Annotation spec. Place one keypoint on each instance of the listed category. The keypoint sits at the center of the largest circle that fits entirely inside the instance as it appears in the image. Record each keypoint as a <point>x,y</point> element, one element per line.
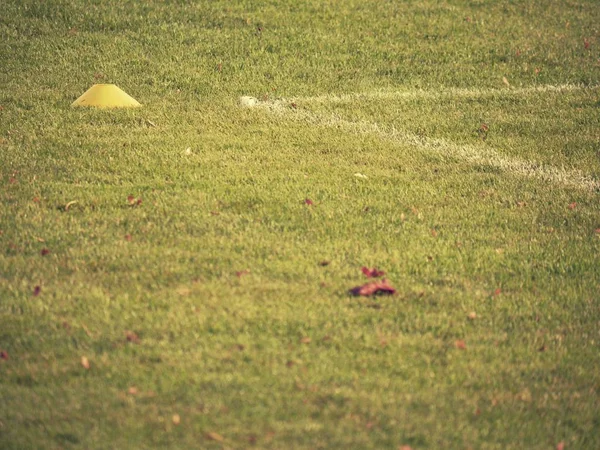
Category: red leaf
<point>130,199</point>
<point>460,344</point>
<point>128,237</point>
<point>497,292</point>
<point>36,291</point>
<point>572,206</point>
<point>308,202</point>
<point>586,44</point>
<point>560,446</point>
<point>373,288</point>
<point>4,355</point>
<point>44,252</point>
<point>241,273</point>
<point>372,273</point>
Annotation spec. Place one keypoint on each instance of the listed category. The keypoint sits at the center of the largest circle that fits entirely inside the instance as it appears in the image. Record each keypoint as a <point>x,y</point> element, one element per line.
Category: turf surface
<point>454,145</point>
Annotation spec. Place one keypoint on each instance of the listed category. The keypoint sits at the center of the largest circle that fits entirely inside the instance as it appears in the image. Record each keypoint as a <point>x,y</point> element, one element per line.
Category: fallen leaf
<point>405,447</point>
<point>542,348</point>
<point>128,237</point>
<point>12,180</point>
<point>497,292</point>
<point>132,390</point>
<point>433,232</point>
<point>252,439</point>
<point>597,231</point>
<point>373,288</point>
<point>560,446</point>
<point>372,273</point>
<point>212,436</point>
<point>460,344</point>
<point>305,340</point>
<point>324,263</point>
<point>130,336</point>
<point>586,44</point>
<point>360,175</point>
<point>44,251</point>
<point>308,201</point>
<point>176,419</point>
<point>39,239</point>
<point>37,290</point>
<point>36,199</point>
<point>241,273</point>
<point>472,315</point>
<point>85,362</point>
<point>4,355</point>
<point>69,204</point>
<point>572,206</point>
<point>505,81</point>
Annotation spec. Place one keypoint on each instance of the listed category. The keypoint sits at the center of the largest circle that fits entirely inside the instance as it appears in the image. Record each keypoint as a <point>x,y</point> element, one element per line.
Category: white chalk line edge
<point>469,153</point>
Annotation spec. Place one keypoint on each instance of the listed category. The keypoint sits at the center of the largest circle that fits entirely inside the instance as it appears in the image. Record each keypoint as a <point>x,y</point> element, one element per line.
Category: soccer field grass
<point>178,275</point>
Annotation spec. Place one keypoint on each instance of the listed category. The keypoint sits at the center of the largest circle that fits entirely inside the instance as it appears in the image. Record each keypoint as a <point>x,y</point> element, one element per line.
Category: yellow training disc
<point>106,96</point>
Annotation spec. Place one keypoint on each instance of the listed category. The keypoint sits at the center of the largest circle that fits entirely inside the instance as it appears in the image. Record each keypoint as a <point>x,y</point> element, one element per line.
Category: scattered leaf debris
<point>85,363</point>
<point>132,201</point>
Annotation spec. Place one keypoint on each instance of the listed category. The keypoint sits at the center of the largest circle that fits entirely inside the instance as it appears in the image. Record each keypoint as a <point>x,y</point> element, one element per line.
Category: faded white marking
<point>384,94</point>
<point>472,154</point>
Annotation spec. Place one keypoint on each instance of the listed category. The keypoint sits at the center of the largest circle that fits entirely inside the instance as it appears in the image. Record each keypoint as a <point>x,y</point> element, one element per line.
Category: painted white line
<point>384,94</point>
<point>472,154</point>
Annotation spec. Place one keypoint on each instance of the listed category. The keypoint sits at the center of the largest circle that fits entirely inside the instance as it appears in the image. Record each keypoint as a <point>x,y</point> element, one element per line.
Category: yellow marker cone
<point>106,96</point>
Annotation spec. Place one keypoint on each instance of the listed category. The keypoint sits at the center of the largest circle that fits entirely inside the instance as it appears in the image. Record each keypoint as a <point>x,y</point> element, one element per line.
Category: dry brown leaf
<point>460,344</point>
<point>472,315</point>
<point>572,206</point>
<point>373,288</point>
<point>132,390</point>
<point>212,436</point>
<point>305,340</point>
<point>176,419</point>
<point>132,337</point>
<point>372,273</point>
<point>85,362</point>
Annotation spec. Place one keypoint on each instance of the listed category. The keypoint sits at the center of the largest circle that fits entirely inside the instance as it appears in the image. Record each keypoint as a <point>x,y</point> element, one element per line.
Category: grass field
<point>454,145</point>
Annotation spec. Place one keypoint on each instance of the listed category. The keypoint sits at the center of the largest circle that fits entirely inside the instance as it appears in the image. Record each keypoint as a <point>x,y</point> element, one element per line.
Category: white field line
<point>472,154</point>
<point>444,92</point>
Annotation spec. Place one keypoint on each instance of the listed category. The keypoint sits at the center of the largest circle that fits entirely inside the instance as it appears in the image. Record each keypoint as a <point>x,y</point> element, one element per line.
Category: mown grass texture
<point>216,313</point>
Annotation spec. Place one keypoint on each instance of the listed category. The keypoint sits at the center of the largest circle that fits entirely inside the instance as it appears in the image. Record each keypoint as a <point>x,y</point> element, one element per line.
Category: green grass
<point>234,324</point>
